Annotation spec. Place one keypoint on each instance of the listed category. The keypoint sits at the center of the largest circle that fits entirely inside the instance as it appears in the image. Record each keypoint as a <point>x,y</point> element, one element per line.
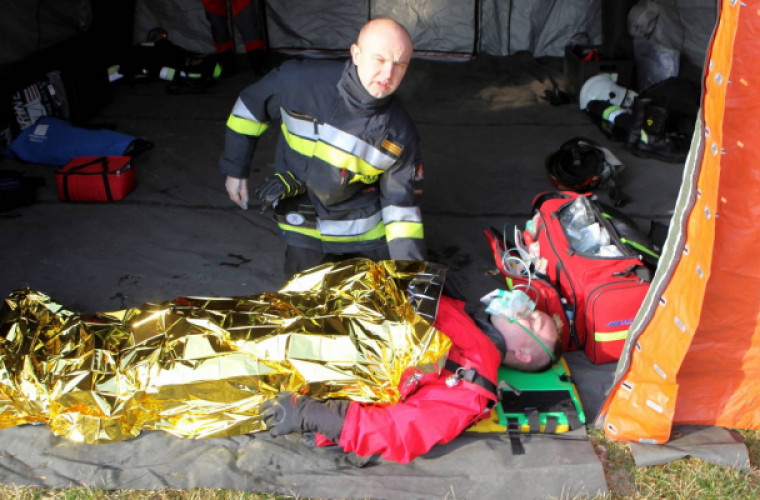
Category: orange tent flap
<point>692,355</point>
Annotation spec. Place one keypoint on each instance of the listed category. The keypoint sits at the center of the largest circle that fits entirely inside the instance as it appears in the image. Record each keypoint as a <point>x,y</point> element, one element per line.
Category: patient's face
<point>523,352</point>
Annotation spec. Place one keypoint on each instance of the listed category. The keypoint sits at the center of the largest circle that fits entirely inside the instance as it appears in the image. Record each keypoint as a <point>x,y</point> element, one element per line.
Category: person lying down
<point>371,356</point>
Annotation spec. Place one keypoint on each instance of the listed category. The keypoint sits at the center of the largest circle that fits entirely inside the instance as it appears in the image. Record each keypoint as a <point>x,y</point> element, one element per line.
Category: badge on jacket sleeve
<point>419,173</point>
<point>391,147</point>
<point>294,219</point>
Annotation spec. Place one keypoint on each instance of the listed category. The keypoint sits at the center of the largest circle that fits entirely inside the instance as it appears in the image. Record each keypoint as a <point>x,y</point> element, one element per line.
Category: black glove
<point>282,415</point>
<point>279,187</point>
<point>288,412</point>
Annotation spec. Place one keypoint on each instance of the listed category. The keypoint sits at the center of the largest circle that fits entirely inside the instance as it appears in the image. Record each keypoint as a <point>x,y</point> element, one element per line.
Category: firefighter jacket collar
<point>361,102</point>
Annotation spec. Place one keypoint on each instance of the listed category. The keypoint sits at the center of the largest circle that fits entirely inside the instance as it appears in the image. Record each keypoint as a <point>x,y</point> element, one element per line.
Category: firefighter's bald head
<point>382,54</point>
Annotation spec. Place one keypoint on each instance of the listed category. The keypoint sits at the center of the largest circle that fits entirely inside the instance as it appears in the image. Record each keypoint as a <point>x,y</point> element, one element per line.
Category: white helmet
<point>602,87</point>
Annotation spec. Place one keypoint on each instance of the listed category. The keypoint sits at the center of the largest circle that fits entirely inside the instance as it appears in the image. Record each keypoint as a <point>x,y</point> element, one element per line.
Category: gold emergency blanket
<point>200,367</point>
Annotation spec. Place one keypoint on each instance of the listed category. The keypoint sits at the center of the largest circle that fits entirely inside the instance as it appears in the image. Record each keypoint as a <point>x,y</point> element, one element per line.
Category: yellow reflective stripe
<point>610,336</point>
<point>246,127</point>
<point>614,115</point>
<point>375,233</point>
<point>282,179</point>
<point>341,159</point>
<point>608,112</point>
<point>396,230</point>
<point>298,144</point>
<point>306,127</point>
<point>329,154</point>
<point>306,231</point>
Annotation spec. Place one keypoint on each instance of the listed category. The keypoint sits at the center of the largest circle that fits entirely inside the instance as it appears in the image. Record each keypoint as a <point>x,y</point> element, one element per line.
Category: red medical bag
<point>602,294</point>
<point>96,178</point>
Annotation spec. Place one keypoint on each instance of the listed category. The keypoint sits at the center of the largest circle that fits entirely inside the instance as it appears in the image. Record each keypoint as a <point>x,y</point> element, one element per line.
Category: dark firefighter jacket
<point>359,158</point>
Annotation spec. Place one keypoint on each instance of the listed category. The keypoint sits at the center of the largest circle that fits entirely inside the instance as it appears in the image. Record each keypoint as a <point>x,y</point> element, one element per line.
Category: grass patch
<point>30,493</point>
<point>684,479</point>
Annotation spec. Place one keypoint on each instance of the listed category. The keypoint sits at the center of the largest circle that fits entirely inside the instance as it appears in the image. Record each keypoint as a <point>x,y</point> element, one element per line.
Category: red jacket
<point>434,413</point>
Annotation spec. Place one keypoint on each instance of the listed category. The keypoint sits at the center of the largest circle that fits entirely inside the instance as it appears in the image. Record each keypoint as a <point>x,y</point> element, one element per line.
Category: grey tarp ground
<point>485,133</point>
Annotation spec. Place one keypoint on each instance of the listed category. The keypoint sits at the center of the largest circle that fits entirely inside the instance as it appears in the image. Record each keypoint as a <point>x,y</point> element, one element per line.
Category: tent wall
<point>78,39</point>
<point>30,27</point>
<point>299,25</point>
<point>185,22</point>
<point>459,27</point>
<point>693,22</point>
<point>496,27</point>
<point>542,27</point>
<point>693,354</point>
<point>436,26</point>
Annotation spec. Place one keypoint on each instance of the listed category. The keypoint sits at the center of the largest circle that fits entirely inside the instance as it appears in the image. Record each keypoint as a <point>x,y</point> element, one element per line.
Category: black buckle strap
<point>571,413</point>
<point>471,375</point>
<point>515,436</point>
<point>550,427</point>
<point>534,420</point>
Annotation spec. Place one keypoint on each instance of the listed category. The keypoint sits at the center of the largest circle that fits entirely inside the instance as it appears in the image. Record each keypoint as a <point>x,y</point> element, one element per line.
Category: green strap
<point>638,246</point>
<point>535,337</point>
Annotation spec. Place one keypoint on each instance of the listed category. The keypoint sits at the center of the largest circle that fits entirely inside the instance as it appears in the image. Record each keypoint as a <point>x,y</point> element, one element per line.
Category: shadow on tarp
<point>472,466</point>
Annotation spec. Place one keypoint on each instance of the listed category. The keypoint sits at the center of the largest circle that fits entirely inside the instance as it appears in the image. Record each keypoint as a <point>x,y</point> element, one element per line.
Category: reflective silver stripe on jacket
<point>348,227</point>
<point>241,111</point>
<point>307,129</point>
<point>393,213</point>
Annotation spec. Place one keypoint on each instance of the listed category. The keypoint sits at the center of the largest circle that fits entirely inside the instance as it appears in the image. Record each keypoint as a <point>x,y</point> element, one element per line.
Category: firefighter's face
<point>382,55</point>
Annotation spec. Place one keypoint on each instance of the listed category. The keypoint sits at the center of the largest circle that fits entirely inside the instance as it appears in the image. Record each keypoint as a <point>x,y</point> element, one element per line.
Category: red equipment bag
<point>602,293</point>
<point>96,178</point>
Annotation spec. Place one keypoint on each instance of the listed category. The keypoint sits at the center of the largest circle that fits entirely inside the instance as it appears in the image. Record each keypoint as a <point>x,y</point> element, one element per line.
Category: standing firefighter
<point>348,170</point>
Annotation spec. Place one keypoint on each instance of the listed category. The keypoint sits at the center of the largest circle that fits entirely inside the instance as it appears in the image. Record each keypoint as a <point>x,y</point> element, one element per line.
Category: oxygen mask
<point>514,305</point>
<point>508,303</point>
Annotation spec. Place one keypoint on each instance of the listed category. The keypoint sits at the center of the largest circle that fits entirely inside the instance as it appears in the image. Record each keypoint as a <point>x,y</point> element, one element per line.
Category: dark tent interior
<point>493,91</point>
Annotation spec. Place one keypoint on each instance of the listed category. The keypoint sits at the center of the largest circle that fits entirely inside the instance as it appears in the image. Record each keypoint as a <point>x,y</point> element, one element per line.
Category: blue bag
<point>53,141</point>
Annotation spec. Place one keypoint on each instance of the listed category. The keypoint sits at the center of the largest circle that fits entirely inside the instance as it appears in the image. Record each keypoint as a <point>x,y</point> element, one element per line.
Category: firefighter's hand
<point>238,191</point>
<point>279,187</point>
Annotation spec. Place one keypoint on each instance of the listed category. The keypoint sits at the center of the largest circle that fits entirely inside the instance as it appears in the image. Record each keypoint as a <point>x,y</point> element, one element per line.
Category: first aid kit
<point>602,280</point>
<point>96,178</point>
<point>573,260</point>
